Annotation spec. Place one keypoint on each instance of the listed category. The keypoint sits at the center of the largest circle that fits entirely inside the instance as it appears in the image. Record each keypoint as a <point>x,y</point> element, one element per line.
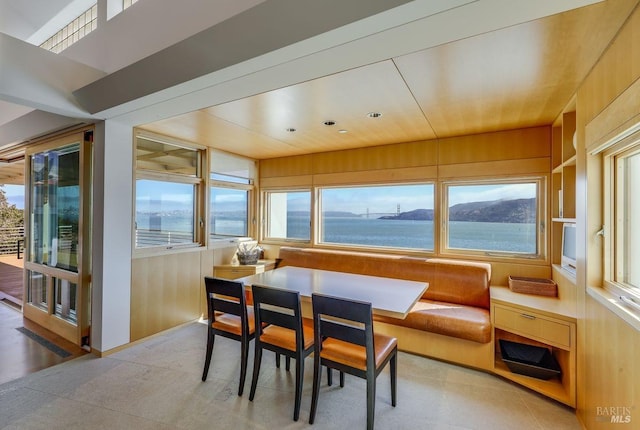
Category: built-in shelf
<point>563,178</point>
<point>549,322</point>
<point>568,163</point>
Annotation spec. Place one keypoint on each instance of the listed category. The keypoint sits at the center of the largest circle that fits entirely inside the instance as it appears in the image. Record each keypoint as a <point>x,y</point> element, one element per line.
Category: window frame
<point>541,254</point>
<point>613,234</point>
<point>196,180</point>
<point>265,205</point>
<point>249,188</point>
<point>317,227</point>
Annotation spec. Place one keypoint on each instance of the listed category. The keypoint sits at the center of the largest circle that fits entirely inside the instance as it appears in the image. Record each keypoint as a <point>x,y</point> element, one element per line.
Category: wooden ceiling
<point>521,76</point>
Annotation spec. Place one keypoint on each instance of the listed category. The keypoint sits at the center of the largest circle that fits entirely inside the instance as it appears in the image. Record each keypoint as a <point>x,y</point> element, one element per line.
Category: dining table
<point>388,296</point>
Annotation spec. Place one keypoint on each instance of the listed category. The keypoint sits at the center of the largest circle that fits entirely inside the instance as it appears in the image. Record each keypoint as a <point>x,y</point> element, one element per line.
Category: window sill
<point>164,250</point>
<point>615,305</point>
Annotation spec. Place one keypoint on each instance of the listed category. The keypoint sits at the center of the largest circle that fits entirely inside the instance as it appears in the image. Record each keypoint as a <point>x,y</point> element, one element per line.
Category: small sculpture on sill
<point>248,253</point>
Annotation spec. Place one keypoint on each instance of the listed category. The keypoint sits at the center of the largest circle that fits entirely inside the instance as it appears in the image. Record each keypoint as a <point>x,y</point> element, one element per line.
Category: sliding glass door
<point>57,265</point>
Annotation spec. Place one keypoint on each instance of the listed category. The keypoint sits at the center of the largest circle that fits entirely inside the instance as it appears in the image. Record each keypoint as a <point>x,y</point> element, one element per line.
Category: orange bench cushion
<point>450,319</point>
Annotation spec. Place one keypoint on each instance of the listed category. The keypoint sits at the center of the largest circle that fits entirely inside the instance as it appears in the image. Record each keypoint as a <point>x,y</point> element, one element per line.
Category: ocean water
<point>500,237</point>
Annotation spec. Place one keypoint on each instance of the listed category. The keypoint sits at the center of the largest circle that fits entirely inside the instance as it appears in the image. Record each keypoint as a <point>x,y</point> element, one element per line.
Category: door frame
<point>76,333</point>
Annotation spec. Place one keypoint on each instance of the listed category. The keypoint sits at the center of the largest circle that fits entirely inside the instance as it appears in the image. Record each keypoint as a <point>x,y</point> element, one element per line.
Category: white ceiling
<point>437,68</point>
<point>22,18</point>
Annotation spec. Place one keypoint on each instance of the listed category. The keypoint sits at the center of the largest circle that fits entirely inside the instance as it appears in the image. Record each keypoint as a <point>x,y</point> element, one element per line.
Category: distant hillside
<point>507,211</point>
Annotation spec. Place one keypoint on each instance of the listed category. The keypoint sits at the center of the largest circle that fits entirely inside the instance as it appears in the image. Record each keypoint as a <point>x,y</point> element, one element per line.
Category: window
<point>55,206</point>
<point>392,216</point>
<point>165,213</point>
<point>231,191</point>
<point>167,194</point>
<point>494,217</point>
<point>288,215</point>
<point>229,208</point>
<point>622,220</point>
<point>73,31</point>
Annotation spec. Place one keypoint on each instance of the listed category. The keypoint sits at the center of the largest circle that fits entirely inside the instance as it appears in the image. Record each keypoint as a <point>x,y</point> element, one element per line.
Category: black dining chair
<point>229,316</point>
<point>283,331</point>
<point>350,346</point>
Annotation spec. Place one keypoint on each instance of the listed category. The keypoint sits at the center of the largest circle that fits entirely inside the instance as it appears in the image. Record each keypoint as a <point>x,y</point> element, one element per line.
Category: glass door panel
<point>58,236</point>
<point>55,207</point>
<point>37,289</point>
<point>65,294</point>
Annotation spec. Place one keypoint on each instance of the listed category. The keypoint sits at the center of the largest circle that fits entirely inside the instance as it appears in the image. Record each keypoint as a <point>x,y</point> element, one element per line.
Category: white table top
<point>388,296</point>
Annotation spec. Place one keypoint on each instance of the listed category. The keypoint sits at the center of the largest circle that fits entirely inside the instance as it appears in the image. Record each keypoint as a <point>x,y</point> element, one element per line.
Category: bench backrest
<point>453,281</point>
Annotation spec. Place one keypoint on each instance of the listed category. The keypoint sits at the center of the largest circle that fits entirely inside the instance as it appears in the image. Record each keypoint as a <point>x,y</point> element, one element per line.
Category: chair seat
<point>355,356</point>
<point>286,338</point>
<point>232,324</point>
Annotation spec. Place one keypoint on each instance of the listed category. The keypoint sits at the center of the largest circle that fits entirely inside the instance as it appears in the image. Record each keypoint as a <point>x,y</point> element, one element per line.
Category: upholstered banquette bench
<point>450,322</point>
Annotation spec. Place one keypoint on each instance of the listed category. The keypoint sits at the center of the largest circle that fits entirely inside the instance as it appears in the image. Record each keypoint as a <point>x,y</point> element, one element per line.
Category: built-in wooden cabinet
<point>229,271</point>
<point>541,321</point>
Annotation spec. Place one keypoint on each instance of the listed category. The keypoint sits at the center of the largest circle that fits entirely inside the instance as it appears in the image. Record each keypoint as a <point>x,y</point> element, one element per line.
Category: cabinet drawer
<point>234,272</point>
<point>534,325</point>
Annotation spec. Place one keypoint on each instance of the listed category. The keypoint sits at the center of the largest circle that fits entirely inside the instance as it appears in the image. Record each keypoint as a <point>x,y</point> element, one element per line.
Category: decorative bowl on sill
<point>248,253</point>
<point>248,257</point>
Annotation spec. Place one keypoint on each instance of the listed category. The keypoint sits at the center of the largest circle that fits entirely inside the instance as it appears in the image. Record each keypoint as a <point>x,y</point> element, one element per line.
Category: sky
<point>15,195</point>
<point>356,199</point>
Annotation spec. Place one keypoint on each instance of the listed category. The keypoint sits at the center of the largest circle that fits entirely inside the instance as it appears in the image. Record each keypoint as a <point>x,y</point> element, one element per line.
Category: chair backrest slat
<point>225,296</point>
<point>268,316</point>
<point>226,305</point>
<point>351,310</point>
<point>283,307</point>
<point>347,333</point>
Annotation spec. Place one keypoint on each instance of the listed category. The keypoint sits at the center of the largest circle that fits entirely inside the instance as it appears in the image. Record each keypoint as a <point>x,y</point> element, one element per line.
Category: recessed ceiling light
<point>329,122</point>
<point>374,114</point>
<point>343,131</point>
<point>291,129</point>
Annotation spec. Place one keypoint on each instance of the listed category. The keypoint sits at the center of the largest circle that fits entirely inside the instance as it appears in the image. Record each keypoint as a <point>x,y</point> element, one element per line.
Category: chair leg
<point>256,371</point>
<point>317,375</point>
<point>207,360</point>
<point>299,380</point>
<point>278,360</point>
<point>288,363</point>
<point>341,379</point>
<point>371,401</point>
<point>244,358</point>
<point>392,367</point>
<point>329,376</point>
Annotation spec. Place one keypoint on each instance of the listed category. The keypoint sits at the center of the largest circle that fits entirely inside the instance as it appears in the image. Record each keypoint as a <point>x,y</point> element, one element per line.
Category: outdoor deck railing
<point>10,239</point>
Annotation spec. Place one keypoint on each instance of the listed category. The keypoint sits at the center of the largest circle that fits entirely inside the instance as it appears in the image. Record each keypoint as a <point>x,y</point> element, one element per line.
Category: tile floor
<point>156,385</point>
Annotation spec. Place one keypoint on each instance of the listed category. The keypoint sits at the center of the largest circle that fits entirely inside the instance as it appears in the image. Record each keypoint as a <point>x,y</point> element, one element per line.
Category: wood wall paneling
<point>488,169</point>
<point>287,181</point>
<point>298,165</point>
<point>615,118</point>
<point>411,154</point>
<point>165,292</point>
<point>608,347</point>
<point>616,70</point>
<point>426,173</point>
<point>504,145</point>
<point>612,352</point>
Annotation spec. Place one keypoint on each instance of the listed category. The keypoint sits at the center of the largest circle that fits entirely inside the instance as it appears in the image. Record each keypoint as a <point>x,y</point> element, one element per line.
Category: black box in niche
<point>529,360</point>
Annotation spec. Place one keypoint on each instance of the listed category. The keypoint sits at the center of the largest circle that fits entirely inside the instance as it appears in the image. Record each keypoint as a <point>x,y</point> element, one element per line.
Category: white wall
<point>112,235</point>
